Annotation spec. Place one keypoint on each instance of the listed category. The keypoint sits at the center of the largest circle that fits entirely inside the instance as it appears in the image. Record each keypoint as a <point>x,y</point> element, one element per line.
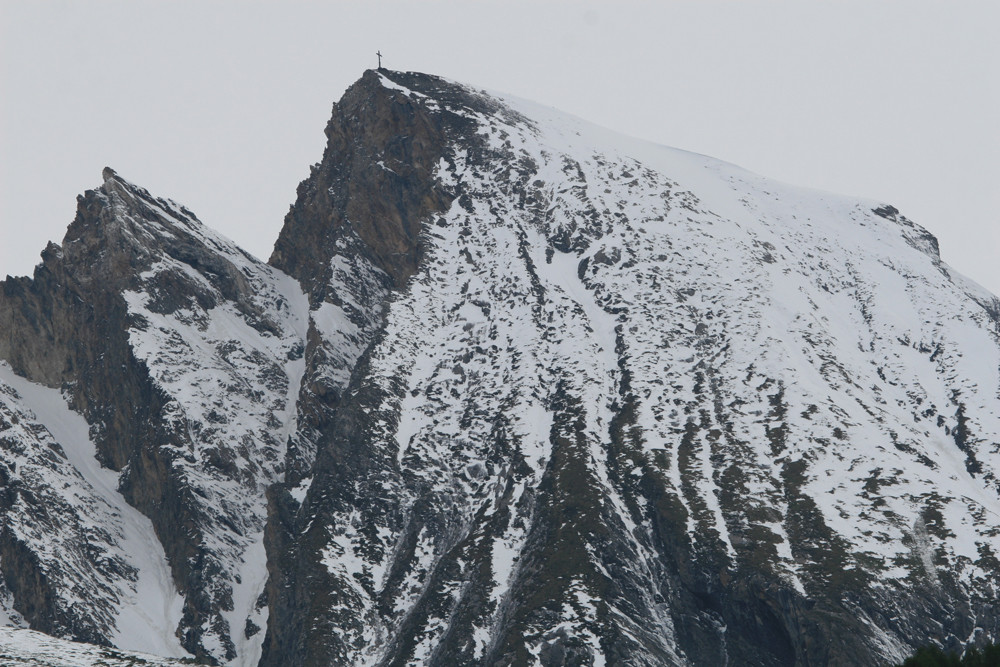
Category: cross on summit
<point>379,54</point>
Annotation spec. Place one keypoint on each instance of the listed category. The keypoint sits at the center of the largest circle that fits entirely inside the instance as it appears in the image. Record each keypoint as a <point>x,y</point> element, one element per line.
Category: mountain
<point>512,389</point>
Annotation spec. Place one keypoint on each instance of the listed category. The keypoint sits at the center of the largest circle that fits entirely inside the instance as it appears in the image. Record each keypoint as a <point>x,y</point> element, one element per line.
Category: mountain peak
<point>711,372</point>
<point>143,207</point>
<point>183,352</point>
<point>386,147</point>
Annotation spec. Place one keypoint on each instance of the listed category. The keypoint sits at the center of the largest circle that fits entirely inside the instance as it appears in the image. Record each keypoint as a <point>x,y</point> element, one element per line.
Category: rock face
<point>514,390</point>
<point>353,235</point>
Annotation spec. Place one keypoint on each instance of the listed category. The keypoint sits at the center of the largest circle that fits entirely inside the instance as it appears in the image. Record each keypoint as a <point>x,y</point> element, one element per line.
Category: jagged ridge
<point>184,354</point>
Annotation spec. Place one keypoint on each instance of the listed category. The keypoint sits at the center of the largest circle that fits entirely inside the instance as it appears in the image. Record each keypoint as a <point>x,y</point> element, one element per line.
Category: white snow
<point>27,647</point>
<point>253,577</point>
<point>150,613</point>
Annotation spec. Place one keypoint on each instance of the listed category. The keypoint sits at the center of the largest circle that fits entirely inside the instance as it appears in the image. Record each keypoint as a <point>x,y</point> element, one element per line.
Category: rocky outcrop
<point>376,182</point>
<point>184,355</point>
<point>356,233</point>
<point>354,236</point>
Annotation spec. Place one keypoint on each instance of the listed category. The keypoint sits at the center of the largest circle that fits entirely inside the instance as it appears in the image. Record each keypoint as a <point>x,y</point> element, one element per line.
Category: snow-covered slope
<point>119,588</point>
<point>27,648</point>
<point>638,404</point>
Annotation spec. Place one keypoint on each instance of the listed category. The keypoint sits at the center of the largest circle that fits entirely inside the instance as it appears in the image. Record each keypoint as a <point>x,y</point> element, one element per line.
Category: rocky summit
<point>511,390</point>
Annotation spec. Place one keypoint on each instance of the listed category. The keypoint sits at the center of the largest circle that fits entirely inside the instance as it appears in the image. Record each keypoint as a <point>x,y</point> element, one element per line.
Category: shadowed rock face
<point>365,203</point>
<point>67,324</point>
<point>376,182</point>
<point>67,327</point>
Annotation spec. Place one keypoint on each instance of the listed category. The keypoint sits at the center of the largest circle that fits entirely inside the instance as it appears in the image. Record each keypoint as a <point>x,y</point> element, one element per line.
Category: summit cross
<point>379,54</point>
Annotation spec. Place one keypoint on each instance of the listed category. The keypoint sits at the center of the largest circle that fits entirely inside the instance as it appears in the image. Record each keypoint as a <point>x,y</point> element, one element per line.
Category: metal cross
<point>379,54</point>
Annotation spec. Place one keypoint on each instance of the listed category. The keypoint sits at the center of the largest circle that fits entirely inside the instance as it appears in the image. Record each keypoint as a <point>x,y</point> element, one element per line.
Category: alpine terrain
<point>511,390</point>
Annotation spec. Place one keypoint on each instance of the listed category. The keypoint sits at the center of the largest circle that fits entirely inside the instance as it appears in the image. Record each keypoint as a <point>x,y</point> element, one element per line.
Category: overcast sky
<point>221,105</point>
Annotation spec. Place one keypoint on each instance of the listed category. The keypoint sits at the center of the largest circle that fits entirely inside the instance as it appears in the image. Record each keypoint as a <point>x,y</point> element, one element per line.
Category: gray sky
<point>221,105</point>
